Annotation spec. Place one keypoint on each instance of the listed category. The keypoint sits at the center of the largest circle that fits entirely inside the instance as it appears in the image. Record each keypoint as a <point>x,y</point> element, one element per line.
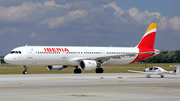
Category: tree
<point>177,56</point>
<point>169,57</point>
<point>164,57</point>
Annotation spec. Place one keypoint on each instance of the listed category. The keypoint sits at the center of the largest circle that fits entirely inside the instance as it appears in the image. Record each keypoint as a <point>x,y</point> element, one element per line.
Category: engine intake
<point>88,64</point>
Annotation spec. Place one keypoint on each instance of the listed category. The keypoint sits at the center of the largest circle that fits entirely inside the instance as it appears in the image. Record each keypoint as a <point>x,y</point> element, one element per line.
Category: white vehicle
<point>83,58</point>
<point>157,71</point>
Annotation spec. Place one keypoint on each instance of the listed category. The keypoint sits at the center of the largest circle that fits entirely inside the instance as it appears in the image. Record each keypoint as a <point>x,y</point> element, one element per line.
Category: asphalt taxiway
<point>88,87</point>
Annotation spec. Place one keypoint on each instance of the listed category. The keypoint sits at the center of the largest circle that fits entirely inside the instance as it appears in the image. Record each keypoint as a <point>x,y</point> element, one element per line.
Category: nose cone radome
<point>8,59</point>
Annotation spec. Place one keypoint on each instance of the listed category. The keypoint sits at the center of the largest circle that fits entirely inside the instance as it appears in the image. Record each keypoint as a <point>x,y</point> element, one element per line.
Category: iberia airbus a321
<point>83,58</point>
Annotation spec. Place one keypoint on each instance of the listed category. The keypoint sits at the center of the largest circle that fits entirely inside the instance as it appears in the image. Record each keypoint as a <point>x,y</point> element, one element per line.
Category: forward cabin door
<point>29,52</point>
<point>63,54</point>
<point>102,52</point>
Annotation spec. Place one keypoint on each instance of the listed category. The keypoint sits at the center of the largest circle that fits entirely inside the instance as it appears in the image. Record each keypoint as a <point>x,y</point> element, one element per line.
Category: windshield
<point>151,68</point>
<point>15,52</point>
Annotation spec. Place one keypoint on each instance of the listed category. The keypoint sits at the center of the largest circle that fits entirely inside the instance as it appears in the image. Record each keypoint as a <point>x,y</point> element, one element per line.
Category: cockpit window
<point>15,52</point>
<point>12,52</point>
<point>151,68</point>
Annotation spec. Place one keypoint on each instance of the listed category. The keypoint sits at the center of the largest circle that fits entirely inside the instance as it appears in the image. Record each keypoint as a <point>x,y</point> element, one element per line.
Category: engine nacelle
<point>88,64</point>
<point>55,67</point>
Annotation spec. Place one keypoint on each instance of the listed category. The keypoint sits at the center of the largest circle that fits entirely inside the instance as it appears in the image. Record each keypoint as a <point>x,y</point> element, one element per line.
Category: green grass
<point>12,69</point>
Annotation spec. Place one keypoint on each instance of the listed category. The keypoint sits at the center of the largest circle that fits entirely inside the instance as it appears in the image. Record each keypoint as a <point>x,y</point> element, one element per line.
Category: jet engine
<point>55,67</point>
<point>88,64</point>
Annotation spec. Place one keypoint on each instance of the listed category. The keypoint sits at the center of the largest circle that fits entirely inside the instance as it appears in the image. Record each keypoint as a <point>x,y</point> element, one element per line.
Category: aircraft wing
<point>106,58</point>
<point>151,73</point>
<point>135,71</point>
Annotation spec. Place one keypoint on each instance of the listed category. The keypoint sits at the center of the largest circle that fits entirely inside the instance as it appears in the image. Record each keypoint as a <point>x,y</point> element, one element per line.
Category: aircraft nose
<point>7,59</point>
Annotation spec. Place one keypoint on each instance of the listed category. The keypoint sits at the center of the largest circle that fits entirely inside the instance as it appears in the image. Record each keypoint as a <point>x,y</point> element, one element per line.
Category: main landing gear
<point>25,70</point>
<point>99,70</point>
<point>162,76</point>
<point>148,76</point>
<point>77,70</point>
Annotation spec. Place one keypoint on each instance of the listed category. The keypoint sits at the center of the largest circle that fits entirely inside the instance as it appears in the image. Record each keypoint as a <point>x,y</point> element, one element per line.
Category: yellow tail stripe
<point>152,26</point>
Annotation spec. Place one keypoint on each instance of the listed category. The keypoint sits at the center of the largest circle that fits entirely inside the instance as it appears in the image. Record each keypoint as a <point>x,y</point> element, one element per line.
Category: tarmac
<point>89,87</point>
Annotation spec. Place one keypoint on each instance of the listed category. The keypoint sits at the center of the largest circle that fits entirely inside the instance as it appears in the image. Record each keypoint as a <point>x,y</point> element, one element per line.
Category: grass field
<point>12,69</point>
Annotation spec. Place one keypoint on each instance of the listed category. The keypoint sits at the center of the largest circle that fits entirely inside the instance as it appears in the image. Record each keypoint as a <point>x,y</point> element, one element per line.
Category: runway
<point>88,87</point>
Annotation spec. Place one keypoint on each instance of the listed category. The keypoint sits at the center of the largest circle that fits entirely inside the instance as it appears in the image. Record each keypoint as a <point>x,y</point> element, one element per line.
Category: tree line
<point>164,57</point>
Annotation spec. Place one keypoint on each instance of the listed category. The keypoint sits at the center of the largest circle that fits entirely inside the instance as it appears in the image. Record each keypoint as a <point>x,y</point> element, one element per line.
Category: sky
<point>118,23</point>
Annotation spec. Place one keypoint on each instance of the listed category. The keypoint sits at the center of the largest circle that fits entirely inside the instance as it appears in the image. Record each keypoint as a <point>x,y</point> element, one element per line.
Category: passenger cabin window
<point>155,68</point>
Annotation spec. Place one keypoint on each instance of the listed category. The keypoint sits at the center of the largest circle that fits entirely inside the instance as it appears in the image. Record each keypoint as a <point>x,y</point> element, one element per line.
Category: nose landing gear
<point>25,70</point>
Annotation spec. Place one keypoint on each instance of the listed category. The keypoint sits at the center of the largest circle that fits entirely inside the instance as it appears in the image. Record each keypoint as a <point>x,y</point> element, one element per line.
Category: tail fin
<point>147,41</point>
<point>176,69</point>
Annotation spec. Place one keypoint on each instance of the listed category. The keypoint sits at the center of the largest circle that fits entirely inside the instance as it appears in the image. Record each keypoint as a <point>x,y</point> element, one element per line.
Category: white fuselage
<point>66,55</point>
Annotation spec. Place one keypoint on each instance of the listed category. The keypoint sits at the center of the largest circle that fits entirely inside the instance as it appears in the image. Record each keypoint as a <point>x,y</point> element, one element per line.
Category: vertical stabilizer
<point>176,69</point>
<point>147,41</point>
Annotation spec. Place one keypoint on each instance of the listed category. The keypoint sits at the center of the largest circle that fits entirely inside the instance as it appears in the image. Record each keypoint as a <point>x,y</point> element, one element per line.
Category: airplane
<point>157,71</point>
<point>83,58</point>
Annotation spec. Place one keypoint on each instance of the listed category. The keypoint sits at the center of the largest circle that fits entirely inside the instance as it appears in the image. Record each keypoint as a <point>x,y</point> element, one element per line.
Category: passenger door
<point>29,52</point>
<point>63,54</point>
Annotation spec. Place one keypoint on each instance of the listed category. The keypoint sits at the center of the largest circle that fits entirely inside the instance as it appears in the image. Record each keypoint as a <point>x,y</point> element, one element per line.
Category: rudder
<point>176,69</point>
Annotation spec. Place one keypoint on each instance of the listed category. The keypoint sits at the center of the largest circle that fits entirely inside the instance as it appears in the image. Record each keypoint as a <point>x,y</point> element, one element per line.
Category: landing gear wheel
<point>162,76</point>
<point>99,70</point>
<point>148,76</point>
<point>77,71</point>
<point>25,72</point>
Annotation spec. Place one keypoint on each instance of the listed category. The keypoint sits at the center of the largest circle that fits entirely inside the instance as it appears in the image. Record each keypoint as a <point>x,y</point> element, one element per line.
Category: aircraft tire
<point>148,76</point>
<point>162,76</point>
<point>99,70</point>
<point>25,72</point>
<point>77,71</point>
